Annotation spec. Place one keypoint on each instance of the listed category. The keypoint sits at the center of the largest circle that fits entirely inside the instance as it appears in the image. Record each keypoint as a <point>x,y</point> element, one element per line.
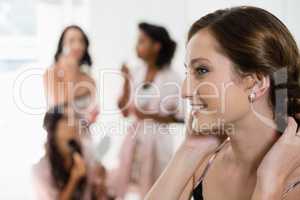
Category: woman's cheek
<point>236,105</point>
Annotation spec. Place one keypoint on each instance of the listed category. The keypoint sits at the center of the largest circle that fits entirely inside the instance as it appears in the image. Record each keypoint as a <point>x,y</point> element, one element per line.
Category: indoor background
<point>29,32</point>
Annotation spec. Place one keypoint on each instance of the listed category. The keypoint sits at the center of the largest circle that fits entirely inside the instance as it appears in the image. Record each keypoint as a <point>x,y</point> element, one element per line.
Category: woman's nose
<point>185,89</point>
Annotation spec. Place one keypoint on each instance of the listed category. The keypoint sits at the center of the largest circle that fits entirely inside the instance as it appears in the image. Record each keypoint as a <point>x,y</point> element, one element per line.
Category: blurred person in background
<point>67,171</point>
<point>69,79</point>
<point>151,97</point>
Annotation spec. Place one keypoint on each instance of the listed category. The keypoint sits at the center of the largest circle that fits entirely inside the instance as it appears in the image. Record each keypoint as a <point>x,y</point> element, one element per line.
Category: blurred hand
<point>125,70</point>
<point>122,104</point>
<point>68,66</point>
<point>78,170</point>
<point>99,181</point>
<point>203,144</point>
<point>283,158</point>
<point>124,99</point>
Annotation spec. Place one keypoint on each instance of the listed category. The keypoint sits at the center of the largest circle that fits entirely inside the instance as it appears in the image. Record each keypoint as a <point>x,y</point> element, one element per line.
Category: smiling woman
<point>243,70</point>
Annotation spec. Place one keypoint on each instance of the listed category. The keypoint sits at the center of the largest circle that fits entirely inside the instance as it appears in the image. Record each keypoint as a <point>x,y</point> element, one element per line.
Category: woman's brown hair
<point>258,42</point>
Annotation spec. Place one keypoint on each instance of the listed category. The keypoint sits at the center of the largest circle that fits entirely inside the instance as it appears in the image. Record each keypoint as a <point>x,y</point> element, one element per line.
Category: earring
<point>252,97</point>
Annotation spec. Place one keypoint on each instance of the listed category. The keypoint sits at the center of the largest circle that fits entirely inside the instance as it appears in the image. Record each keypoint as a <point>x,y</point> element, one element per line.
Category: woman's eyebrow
<point>195,60</point>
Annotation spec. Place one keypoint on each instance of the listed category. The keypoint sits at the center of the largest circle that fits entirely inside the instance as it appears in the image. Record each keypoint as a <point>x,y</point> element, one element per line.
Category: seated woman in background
<point>66,171</point>
<point>151,96</point>
<point>242,83</point>
<point>68,80</point>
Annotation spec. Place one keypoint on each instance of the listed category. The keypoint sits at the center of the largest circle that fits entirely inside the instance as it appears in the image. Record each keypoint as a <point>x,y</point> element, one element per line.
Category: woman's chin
<point>200,126</point>
<point>207,127</point>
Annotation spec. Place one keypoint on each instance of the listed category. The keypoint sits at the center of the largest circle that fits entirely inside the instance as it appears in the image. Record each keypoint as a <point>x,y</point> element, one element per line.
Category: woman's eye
<point>201,70</point>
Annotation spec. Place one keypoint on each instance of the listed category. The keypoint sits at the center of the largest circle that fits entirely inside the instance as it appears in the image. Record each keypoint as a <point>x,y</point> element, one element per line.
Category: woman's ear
<point>262,86</point>
<point>248,82</point>
<point>257,84</point>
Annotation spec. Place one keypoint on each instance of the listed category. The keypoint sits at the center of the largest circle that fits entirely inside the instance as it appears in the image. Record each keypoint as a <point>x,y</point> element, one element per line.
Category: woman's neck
<point>252,139</point>
<point>151,72</point>
<point>151,63</point>
<point>152,68</point>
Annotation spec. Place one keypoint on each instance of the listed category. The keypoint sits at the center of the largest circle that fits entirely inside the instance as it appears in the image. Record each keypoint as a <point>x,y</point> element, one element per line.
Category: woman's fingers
<point>189,125</point>
<point>76,158</point>
<point>79,169</point>
<point>78,161</point>
<point>292,126</point>
<point>291,135</point>
<point>125,69</point>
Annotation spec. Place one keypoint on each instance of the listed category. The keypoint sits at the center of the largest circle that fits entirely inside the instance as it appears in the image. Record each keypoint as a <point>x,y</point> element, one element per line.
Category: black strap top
<point>197,193</point>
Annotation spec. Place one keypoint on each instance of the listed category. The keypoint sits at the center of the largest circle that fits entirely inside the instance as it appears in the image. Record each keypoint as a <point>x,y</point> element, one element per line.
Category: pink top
<point>148,145</point>
<point>43,182</point>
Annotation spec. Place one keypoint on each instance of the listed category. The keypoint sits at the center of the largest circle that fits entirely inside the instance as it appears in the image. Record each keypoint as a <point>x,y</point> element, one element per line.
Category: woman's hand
<point>125,70</point>
<point>282,159</point>
<point>124,99</point>
<point>67,68</point>
<point>78,170</point>
<point>201,143</point>
<point>99,181</point>
<point>190,157</point>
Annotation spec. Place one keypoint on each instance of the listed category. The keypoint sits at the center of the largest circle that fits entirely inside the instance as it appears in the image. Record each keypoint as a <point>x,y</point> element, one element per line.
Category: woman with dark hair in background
<point>77,44</point>
<point>250,53</point>
<point>65,173</point>
<point>69,79</point>
<point>151,96</point>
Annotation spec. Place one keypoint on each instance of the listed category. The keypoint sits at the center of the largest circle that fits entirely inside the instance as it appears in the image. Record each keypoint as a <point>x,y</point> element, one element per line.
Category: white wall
<point>114,26</point>
<point>113,23</point>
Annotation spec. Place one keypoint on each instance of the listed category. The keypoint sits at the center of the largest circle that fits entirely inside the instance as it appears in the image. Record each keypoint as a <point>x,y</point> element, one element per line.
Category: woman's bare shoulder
<point>50,71</point>
<point>207,163</point>
<point>217,161</point>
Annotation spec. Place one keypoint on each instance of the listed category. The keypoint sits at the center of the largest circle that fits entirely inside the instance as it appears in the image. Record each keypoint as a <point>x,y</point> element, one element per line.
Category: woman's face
<point>74,44</point>
<point>64,133</point>
<point>216,93</point>
<point>146,48</point>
